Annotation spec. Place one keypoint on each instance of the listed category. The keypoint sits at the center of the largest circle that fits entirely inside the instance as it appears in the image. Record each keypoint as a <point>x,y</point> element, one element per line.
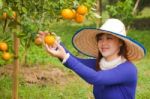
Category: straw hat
<point>85,42</point>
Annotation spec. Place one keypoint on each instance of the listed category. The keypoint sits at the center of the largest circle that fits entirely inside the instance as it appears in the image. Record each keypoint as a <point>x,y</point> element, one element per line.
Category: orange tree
<point>21,20</point>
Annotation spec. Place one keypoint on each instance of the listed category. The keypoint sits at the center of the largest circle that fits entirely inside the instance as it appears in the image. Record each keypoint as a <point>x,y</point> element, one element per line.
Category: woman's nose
<point>104,41</point>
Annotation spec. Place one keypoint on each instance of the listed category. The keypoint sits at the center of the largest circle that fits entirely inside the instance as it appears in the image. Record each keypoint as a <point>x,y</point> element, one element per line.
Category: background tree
<point>25,18</point>
<point>122,10</point>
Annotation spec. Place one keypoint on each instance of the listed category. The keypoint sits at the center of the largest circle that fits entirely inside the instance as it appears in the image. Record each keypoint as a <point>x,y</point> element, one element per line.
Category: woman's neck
<point>112,57</point>
<point>106,65</point>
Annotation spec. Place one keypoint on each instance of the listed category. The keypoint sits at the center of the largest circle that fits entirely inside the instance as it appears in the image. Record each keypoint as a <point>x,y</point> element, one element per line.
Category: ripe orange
<point>74,13</point>
<point>4,15</point>
<point>14,15</point>
<point>49,40</point>
<point>6,56</point>
<point>38,41</point>
<point>79,18</point>
<point>68,14</point>
<point>3,46</point>
<point>82,9</point>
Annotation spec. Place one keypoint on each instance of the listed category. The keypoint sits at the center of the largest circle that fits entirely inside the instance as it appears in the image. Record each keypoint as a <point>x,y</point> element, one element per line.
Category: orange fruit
<point>68,14</point>
<point>6,56</point>
<point>3,46</point>
<point>82,9</point>
<point>4,15</point>
<point>38,41</point>
<point>14,15</point>
<point>74,13</point>
<point>49,40</point>
<point>79,18</point>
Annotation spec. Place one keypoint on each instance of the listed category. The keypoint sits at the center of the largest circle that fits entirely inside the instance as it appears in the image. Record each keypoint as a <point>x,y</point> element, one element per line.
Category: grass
<point>144,13</point>
<point>143,65</point>
<point>76,89</point>
<point>5,87</point>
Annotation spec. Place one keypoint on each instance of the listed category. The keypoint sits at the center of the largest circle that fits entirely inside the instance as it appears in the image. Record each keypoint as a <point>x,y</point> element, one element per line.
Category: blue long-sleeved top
<point>117,83</point>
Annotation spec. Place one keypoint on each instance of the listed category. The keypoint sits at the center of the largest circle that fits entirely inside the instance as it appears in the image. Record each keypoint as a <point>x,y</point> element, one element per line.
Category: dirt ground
<point>38,75</point>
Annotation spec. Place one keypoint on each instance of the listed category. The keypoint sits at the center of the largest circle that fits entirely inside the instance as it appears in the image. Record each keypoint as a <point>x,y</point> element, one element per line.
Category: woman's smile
<point>105,49</point>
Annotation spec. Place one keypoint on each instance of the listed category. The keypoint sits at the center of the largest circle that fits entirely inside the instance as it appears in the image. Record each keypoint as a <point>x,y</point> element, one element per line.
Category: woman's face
<point>109,46</point>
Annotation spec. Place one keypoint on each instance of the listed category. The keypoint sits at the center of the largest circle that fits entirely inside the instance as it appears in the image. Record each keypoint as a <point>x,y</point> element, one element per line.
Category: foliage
<point>122,10</point>
<point>32,16</point>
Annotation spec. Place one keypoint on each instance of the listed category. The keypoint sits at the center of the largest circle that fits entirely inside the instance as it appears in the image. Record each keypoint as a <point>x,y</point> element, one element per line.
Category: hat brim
<point>85,42</point>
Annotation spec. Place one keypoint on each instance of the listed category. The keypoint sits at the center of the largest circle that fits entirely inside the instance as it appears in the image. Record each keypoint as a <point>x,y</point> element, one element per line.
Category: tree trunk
<point>99,12</point>
<point>24,58</point>
<point>135,7</point>
<point>134,11</point>
<point>16,67</point>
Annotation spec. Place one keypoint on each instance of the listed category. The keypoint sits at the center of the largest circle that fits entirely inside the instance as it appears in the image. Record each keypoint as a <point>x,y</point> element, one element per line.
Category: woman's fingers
<point>59,46</point>
<point>56,49</point>
<point>50,50</point>
<point>42,34</point>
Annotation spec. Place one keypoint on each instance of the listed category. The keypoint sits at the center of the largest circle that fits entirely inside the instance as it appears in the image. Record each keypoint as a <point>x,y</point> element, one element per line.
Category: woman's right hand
<point>55,50</point>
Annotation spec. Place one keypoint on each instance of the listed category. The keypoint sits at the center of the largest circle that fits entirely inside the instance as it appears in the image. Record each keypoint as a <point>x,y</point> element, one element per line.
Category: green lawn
<point>144,65</point>
<point>144,13</point>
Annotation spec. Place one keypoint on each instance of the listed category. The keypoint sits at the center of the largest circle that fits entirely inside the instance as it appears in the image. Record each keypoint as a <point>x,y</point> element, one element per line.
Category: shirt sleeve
<point>90,62</point>
<point>65,58</point>
<point>124,73</point>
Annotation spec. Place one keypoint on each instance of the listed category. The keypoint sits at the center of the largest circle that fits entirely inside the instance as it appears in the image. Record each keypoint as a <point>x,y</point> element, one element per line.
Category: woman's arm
<point>59,51</point>
<point>124,73</point>
<point>119,75</point>
<point>88,62</point>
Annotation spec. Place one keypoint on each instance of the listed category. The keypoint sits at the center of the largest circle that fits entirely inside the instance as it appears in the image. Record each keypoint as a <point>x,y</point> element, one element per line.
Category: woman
<point>111,71</point>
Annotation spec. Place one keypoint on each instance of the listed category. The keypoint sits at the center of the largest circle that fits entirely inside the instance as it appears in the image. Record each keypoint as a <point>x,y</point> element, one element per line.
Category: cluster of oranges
<point>6,16</point>
<point>78,15</point>
<point>49,39</point>
<point>5,55</point>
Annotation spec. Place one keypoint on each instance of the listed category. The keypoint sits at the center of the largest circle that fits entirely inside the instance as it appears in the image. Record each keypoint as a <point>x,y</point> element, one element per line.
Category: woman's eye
<point>99,39</point>
<point>109,38</point>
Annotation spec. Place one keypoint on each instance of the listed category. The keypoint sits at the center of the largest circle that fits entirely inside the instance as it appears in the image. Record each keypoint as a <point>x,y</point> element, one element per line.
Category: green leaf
<point>1,4</point>
<point>24,10</point>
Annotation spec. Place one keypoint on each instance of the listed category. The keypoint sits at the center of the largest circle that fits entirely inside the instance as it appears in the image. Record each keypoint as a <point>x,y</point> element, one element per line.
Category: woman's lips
<point>104,49</point>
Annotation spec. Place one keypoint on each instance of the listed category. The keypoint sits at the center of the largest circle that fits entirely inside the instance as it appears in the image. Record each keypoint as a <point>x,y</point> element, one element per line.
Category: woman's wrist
<point>65,57</point>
